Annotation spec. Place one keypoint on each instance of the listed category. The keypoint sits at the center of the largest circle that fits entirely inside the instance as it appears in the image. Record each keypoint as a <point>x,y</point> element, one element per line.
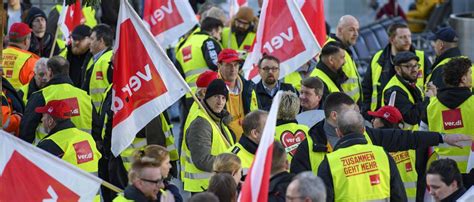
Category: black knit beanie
<point>33,13</point>
<point>217,87</point>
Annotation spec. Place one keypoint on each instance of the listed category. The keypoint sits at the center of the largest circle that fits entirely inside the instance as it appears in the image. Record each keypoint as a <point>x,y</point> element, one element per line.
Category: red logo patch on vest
<point>452,119</point>
<point>247,47</point>
<point>74,104</point>
<point>9,73</point>
<point>83,152</point>
<point>374,179</point>
<point>99,75</point>
<point>420,74</point>
<point>291,141</point>
<point>408,167</point>
<point>187,53</point>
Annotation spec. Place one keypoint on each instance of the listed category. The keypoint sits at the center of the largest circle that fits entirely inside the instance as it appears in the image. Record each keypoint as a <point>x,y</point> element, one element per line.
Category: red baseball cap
<point>56,108</point>
<point>389,113</point>
<point>206,78</point>
<point>18,30</point>
<point>228,55</point>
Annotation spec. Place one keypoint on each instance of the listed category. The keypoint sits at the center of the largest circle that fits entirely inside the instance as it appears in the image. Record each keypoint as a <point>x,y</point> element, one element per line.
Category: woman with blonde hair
<point>161,157</point>
<point>228,163</point>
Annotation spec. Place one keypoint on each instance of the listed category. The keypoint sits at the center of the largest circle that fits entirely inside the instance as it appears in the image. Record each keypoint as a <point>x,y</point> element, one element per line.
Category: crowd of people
<point>400,132</point>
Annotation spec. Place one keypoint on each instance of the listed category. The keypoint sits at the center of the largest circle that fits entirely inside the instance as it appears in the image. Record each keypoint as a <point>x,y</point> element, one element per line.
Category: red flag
<point>313,12</point>
<point>28,173</point>
<point>145,80</point>
<point>168,20</point>
<point>70,17</point>
<point>256,184</point>
<point>282,32</point>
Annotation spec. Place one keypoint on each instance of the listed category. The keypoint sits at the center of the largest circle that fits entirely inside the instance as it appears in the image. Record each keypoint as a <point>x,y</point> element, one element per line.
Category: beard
<point>270,80</point>
<point>409,77</point>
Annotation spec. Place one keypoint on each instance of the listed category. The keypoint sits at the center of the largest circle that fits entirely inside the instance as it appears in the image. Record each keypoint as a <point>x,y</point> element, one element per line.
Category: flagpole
<point>111,186</point>
<point>54,42</point>
<point>1,56</point>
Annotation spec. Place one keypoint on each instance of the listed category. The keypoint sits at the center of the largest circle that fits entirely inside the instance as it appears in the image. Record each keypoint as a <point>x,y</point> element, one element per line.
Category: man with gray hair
<point>306,187</point>
<point>356,163</point>
<point>41,78</point>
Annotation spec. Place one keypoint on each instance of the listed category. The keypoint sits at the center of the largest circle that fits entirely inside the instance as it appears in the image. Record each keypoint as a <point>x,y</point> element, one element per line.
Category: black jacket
<point>437,73</point>
<point>247,144</point>
<point>32,87</point>
<point>337,77</point>
<point>134,194</point>
<point>411,112</point>
<point>455,196</point>
<point>16,100</point>
<point>31,119</point>
<point>43,46</point>
<point>397,190</point>
<point>391,140</point>
<point>264,99</point>
<point>77,67</point>
<point>278,185</point>
<point>388,71</point>
<point>49,145</point>
<point>247,89</point>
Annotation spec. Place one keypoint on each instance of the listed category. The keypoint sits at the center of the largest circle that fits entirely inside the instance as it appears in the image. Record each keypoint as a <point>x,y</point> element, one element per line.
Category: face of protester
<point>216,33</point>
<point>466,80</point>
<point>438,47</point>
<point>41,76</point>
<point>349,33</point>
<point>438,189</point>
<point>377,122</point>
<point>408,70</point>
<point>402,39</point>
<point>150,182</point>
<point>48,122</point>
<point>338,59</point>
<point>241,25</point>
<point>269,71</point>
<point>216,103</point>
<point>237,175</point>
<point>96,45</point>
<point>229,71</point>
<point>166,167</point>
<point>309,100</point>
<point>80,46</point>
<point>293,194</point>
<point>39,25</point>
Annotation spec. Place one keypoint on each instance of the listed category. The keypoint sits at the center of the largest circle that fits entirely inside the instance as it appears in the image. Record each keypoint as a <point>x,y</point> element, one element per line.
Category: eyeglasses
<point>268,69</point>
<point>416,66</point>
<point>157,182</point>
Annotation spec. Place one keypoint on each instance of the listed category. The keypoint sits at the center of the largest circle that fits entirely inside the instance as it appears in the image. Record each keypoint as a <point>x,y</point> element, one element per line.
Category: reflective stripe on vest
<point>332,87</point>
<point>245,156</point>
<point>360,173</point>
<point>232,41</point>
<point>13,61</point>
<point>352,85</point>
<point>394,81</point>
<point>79,148</point>
<point>290,135</point>
<point>194,179</point>
<point>99,81</point>
<point>452,121</point>
<point>192,60</point>
<point>406,161</point>
<point>377,71</point>
<point>169,138</point>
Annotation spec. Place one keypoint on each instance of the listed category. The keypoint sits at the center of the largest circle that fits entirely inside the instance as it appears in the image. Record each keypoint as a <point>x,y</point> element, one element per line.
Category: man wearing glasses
<point>266,89</point>
<point>409,97</point>
<point>146,181</point>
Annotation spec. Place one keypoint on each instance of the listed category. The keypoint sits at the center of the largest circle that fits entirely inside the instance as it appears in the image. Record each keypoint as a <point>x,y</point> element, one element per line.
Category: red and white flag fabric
<point>470,162</point>
<point>70,17</point>
<point>145,80</point>
<point>313,12</point>
<point>256,183</point>
<point>282,32</point>
<point>235,5</point>
<point>28,173</point>
<point>168,19</point>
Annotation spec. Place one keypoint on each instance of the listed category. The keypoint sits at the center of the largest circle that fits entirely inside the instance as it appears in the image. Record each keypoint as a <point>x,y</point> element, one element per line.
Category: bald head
<point>350,121</point>
<point>348,30</point>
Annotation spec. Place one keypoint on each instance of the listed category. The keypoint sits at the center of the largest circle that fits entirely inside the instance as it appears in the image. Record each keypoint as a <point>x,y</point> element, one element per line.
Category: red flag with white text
<point>70,17</point>
<point>168,19</point>
<point>145,81</point>
<point>313,12</point>
<point>282,32</point>
<point>28,173</point>
<point>255,187</point>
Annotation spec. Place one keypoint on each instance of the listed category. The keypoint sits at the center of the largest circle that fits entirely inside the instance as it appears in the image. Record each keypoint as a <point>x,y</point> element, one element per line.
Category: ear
<point>398,69</point>
<point>333,115</point>
<point>253,134</point>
